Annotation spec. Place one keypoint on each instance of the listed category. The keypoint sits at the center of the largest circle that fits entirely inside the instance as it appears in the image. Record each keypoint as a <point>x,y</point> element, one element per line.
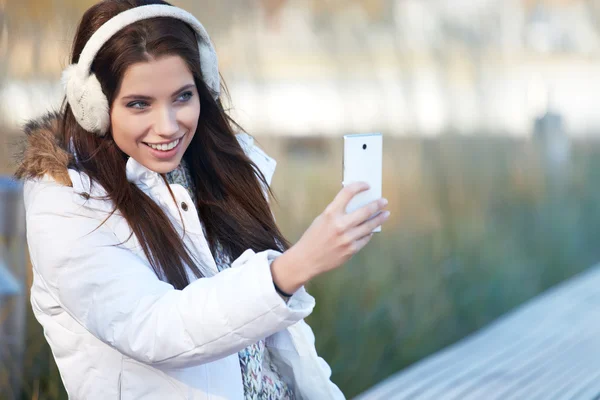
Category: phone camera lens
<point>364,146</point>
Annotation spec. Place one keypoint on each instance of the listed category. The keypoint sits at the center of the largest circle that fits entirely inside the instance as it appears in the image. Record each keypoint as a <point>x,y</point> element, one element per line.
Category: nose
<point>165,123</point>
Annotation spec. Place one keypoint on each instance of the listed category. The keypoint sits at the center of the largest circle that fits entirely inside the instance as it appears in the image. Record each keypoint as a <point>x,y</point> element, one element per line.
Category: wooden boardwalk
<point>548,348</point>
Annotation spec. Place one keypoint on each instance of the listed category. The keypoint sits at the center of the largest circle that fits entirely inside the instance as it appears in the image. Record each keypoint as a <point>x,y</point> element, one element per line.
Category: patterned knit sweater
<point>260,376</point>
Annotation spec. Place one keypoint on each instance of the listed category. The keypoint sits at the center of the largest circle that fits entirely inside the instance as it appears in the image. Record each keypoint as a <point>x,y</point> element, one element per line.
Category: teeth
<point>164,147</point>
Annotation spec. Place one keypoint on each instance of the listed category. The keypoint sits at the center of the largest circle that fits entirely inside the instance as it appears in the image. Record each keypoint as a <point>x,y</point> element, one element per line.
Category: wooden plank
<point>547,348</point>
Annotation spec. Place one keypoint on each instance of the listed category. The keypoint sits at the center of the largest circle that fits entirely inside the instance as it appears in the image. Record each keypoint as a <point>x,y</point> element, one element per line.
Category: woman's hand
<point>331,240</point>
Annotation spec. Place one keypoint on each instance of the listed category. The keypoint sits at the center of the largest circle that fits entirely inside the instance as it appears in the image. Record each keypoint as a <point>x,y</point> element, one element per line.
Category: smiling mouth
<point>165,146</point>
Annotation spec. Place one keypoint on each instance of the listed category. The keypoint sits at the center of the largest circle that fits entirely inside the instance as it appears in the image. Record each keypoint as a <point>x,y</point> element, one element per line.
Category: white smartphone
<point>363,162</point>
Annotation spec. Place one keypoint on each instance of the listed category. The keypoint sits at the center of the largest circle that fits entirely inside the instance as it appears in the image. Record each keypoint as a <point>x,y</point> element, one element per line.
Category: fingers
<point>341,200</point>
<point>362,214</point>
<point>367,227</point>
<point>362,242</point>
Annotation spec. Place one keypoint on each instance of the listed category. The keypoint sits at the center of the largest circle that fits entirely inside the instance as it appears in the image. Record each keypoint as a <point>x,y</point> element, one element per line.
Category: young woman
<point>159,271</point>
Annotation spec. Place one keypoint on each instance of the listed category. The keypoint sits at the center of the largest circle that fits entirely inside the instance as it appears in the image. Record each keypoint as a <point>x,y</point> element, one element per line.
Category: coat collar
<point>140,175</point>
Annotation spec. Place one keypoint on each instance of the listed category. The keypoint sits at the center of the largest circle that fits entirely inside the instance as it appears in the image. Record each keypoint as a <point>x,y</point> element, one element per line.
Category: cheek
<point>191,115</point>
<point>189,118</point>
<point>126,129</point>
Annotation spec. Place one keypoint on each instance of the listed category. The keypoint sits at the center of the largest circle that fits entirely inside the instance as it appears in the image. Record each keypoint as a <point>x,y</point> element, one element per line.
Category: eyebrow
<point>143,97</point>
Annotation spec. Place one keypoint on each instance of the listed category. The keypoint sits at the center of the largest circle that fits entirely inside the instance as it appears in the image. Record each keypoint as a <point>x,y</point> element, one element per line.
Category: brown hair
<point>228,185</point>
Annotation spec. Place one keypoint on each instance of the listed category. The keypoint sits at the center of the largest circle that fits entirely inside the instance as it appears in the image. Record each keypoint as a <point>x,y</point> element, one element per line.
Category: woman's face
<point>155,112</point>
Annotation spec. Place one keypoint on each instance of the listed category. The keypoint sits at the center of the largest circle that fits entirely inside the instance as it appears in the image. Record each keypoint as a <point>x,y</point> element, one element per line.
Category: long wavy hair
<point>228,185</point>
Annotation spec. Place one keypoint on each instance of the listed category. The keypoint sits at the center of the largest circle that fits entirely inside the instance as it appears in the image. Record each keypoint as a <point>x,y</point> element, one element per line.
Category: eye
<point>138,104</point>
<point>185,96</point>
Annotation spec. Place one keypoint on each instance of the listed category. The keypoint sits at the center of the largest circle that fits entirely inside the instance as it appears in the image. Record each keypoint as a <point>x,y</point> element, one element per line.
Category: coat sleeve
<point>302,331</point>
<point>116,296</point>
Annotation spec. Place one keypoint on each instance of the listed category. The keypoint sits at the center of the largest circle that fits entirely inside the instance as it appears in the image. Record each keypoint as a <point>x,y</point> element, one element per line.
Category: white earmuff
<point>87,101</point>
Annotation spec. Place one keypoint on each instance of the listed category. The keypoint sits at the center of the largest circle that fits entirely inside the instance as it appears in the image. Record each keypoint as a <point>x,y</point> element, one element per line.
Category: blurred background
<point>491,157</point>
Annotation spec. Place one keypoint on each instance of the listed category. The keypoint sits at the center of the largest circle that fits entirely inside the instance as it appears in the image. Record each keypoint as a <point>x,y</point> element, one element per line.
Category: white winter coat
<point>118,332</point>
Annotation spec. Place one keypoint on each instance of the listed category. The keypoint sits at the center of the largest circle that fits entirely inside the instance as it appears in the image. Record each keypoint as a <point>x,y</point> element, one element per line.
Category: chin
<point>164,167</point>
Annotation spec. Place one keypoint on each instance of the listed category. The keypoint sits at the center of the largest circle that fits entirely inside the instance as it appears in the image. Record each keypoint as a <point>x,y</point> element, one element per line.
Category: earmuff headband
<point>83,91</point>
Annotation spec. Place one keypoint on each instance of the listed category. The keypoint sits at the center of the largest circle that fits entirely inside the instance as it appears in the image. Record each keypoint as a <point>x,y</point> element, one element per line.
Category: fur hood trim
<point>44,152</point>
